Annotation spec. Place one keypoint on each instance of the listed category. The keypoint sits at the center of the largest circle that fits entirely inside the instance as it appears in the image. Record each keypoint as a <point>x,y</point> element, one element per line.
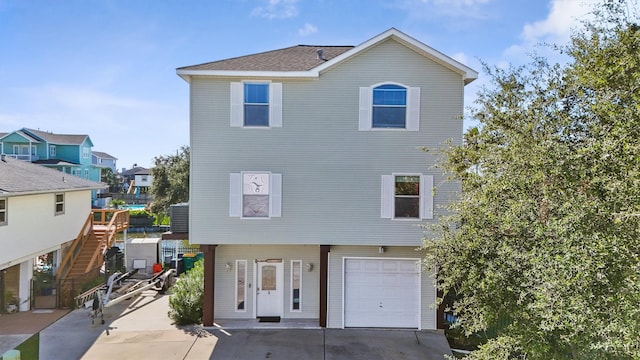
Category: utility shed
<point>142,253</point>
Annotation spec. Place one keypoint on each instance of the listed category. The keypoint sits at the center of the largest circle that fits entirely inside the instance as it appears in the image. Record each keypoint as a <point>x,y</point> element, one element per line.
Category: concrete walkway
<point>141,329</point>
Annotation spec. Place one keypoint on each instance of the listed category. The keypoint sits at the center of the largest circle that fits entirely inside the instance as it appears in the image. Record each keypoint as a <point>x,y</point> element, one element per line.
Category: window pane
<point>389,95</point>
<point>59,208</point>
<point>241,275</point>
<point>256,115</point>
<point>269,277</point>
<point>389,117</point>
<point>59,198</point>
<point>407,207</point>
<point>255,205</point>
<point>256,93</point>
<point>296,270</point>
<point>407,185</point>
<point>2,216</point>
<point>3,204</point>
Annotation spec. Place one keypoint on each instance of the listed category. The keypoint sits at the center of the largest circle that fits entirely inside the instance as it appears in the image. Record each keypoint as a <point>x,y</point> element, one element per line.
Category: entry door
<point>270,292</point>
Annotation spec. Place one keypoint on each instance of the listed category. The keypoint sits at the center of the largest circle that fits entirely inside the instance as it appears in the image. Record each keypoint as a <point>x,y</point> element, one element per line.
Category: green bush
<point>187,296</point>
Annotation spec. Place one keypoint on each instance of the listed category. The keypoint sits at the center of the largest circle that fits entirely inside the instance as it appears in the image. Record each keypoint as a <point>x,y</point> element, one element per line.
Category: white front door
<point>270,292</point>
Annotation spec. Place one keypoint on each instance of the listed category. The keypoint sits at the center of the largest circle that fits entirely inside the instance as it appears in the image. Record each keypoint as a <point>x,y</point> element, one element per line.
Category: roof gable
<point>103,155</point>
<point>299,61</point>
<point>59,139</point>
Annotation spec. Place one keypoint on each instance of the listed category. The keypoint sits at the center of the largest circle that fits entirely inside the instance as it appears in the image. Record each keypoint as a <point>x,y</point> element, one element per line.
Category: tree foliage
<point>187,296</point>
<point>170,180</point>
<point>546,233</point>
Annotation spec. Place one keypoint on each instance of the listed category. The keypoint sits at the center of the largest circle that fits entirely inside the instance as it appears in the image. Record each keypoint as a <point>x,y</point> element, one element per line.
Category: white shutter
<point>237,102</point>
<point>386,198</point>
<point>275,105</point>
<point>426,197</point>
<point>235,195</point>
<point>276,195</point>
<point>364,123</point>
<point>413,109</point>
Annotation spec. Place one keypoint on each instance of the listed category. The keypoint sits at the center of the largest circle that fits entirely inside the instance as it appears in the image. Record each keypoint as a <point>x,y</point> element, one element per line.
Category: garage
<point>382,292</point>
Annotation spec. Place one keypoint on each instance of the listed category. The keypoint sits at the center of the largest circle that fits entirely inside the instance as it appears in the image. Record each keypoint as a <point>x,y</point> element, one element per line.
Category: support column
<point>324,275</point>
<point>209,283</point>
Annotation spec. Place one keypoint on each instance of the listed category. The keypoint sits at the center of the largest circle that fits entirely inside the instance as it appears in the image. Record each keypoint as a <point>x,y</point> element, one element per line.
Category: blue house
<point>70,154</point>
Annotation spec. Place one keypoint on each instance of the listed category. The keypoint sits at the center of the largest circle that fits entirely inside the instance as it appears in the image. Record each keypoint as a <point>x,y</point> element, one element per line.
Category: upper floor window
<point>86,152</point>
<point>255,195</point>
<point>59,204</point>
<point>3,212</point>
<point>86,173</point>
<point>256,104</point>
<point>407,196</point>
<point>389,106</point>
<point>52,151</point>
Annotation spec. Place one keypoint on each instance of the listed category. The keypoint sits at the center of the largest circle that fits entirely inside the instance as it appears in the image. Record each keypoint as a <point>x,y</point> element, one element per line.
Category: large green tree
<point>544,244</point>
<point>170,180</point>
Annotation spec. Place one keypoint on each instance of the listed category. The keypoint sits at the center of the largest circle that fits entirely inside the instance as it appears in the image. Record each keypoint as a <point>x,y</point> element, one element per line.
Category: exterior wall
<point>225,281</point>
<point>140,183</point>
<point>336,278</point>
<point>21,240</point>
<point>331,172</point>
<point>71,153</point>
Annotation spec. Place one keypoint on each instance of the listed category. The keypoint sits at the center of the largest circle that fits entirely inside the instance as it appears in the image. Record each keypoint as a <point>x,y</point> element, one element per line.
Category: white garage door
<point>382,293</point>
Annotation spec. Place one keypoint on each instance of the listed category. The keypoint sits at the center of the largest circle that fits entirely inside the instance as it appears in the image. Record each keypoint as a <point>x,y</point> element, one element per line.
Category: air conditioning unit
<point>179,218</point>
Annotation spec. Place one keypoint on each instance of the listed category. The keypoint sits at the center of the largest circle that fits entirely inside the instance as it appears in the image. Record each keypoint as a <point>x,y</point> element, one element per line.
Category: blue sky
<point>106,68</point>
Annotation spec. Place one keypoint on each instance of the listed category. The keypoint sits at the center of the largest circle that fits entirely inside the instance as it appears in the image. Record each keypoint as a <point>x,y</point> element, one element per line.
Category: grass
<point>30,349</point>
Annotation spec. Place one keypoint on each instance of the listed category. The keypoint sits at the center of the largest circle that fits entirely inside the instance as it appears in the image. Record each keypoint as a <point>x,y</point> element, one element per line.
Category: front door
<point>269,292</point>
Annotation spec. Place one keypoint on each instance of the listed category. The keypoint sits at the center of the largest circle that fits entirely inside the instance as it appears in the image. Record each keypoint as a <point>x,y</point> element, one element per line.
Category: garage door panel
<point>382,293</point>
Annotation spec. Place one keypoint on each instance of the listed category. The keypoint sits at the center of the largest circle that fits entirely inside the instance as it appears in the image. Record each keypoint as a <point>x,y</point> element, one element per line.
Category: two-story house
<point>40,210</point>
<point>70,154</point>
<point>104,160</point>
<point>137,180</point>
<point>308,184</point>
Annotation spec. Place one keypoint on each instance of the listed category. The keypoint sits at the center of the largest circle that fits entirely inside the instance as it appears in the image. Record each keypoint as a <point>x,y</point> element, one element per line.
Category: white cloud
<point>307,29</point>
<point>437,8</point>
<point>277,9</point>
<point>564,15</point>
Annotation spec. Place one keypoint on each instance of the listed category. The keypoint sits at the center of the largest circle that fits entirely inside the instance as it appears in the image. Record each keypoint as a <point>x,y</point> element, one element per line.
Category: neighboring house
<point>137,180</point>
<point>308,184</point>
<point>70,154</point>
<point>40,210</point>
<point>104,160</point>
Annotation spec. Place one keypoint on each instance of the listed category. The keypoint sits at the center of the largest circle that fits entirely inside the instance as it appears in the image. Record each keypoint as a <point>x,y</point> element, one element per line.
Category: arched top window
<point>389,106</point>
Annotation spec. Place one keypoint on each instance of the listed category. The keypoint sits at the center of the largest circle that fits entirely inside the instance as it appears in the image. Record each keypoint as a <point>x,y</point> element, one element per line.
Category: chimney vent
<point>319,52</point>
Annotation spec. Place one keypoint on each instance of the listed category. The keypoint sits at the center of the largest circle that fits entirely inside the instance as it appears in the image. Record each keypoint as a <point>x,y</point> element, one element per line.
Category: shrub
<point>187,296</point>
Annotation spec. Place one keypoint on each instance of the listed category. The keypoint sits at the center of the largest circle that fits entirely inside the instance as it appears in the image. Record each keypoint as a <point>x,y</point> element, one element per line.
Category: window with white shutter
<point>407,196</point>
<point>255,195</point>
<point>389,106</point>
<point>256,104</point>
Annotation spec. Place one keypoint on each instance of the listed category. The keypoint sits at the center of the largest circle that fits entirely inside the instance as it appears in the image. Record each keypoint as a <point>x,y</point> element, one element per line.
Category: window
<point>241,284</point>
<point>389,106</point>
<point>296,285</point>
<point>59,204</point>
<point>86,152</point>
<point>86,173</point>
<point>407,196</point>
<point>52,151</point>
<point>255,195</point>
<point>256,104</point>
<point>3,212</point>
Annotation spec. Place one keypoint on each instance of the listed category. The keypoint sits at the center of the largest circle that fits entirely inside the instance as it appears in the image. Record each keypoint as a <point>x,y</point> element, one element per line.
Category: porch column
<point>209,283</point>
<point>324,267</point>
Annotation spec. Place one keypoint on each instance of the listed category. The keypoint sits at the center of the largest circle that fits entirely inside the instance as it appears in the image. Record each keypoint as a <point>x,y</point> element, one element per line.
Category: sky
<point>107,68</point>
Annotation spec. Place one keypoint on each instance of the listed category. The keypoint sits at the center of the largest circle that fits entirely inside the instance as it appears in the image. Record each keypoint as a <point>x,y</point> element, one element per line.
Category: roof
<point>19,177</point>
<point>55,162</point>
<point>295,58</point>
<point>23,134</point>
<point>302,61</point>
<point>60,139</point>
<point>103,155</point>
<point>138,170</point>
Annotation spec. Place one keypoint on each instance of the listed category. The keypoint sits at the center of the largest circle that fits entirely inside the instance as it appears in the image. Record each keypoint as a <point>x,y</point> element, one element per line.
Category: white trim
<point>393,195</point>
<point>291,309</point>
<point>426,197</point>
<point>235,286</point>
<point>419,290</point>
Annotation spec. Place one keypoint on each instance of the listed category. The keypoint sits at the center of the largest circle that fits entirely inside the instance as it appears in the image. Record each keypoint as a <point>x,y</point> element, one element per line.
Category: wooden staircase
<point>83,260</point>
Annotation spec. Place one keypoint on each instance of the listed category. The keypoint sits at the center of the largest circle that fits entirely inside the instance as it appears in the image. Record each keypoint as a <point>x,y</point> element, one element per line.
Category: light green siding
<point>331,172</point>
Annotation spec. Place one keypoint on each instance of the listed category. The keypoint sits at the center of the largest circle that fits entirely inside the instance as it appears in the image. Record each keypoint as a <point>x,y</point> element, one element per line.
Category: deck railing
<point>74,249</point>
<point>116,221</point>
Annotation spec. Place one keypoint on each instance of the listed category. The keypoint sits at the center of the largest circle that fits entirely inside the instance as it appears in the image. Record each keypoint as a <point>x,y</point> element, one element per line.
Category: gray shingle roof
<point>17,177</point>
<point>65,139</point>
<point>138,170</point>
<point>103,155</point>
<point>295,58</point>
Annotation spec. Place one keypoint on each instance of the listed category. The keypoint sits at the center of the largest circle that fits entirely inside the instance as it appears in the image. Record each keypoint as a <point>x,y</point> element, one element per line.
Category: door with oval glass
<point>269,289</point>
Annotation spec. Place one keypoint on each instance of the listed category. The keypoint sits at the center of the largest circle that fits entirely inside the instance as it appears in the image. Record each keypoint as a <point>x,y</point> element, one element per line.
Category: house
<point>104,160</point>
<point>70,154</point>
<point>308,184</point>
<point>137,180</point>
<point>41,210</point>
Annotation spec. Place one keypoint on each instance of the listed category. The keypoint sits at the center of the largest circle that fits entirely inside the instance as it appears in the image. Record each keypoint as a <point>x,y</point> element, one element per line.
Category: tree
<point>170,180</point>
<point>543,245</point>
<point>108,177</point>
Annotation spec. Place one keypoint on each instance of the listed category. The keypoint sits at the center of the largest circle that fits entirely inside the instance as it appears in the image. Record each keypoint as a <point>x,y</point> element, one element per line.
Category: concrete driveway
<point>141,329</point>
